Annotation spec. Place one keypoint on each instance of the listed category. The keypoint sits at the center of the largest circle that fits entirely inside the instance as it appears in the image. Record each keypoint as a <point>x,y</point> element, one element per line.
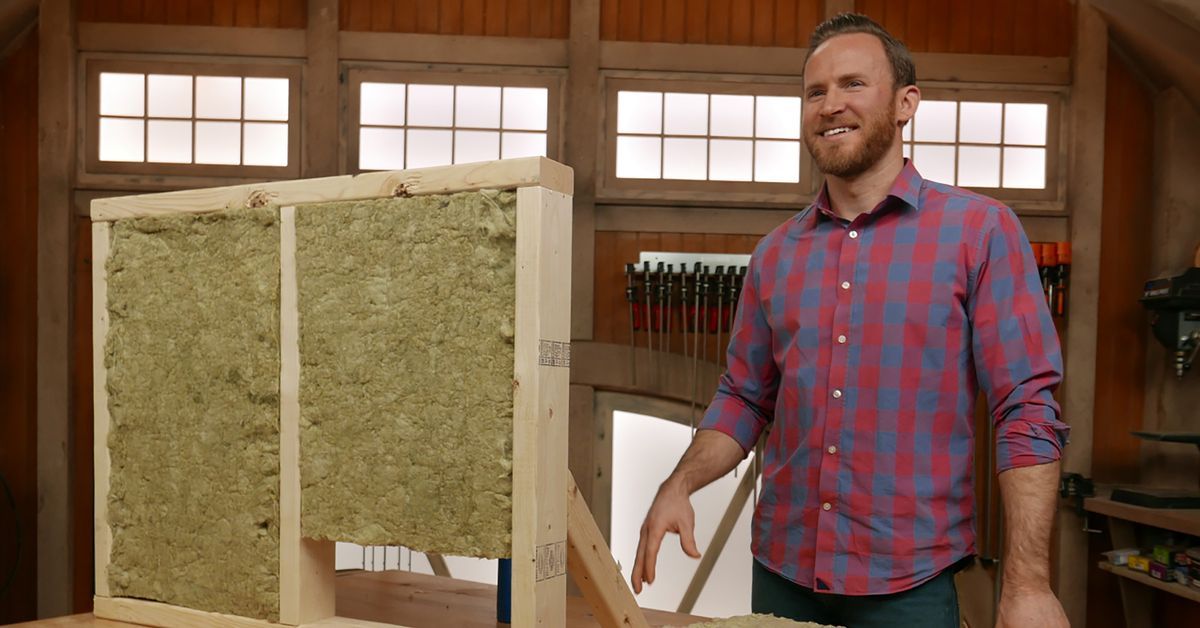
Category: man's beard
<point>843,162</point>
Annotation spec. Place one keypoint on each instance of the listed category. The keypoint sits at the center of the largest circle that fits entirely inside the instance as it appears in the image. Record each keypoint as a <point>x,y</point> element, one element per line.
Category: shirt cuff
<point>1030,439</point>
<point>732,416</point>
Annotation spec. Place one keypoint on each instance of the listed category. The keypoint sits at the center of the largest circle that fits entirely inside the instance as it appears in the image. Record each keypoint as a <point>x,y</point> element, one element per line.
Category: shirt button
<point>841,340</point>
<point>826,506</point>
<point>845,285</point>
<point>853,234</point>
<point>832,449</point>
<point>837,394</point>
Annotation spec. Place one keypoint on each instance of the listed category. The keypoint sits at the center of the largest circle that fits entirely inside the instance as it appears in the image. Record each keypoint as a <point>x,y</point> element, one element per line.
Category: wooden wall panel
<point>82,472</point>
<point>18,328</point>
<point>547,19</point>
<point>248,13</point>
<point>786,23</point>
<point>614,249</point>
<point>1042,28</point>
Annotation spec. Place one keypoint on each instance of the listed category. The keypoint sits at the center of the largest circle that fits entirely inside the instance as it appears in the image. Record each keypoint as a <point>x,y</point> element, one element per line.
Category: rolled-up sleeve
<point>1015,345</point>
<point>745,399</point>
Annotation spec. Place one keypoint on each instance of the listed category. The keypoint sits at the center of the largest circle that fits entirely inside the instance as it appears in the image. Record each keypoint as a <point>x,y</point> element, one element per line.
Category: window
<point>418,120</point>
<point>191,119</point>
<point>1005,147</point>
<point>687,139</point>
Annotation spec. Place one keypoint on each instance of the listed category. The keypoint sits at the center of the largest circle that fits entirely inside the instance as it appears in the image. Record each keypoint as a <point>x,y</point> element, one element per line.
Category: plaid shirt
<point>864,345</point>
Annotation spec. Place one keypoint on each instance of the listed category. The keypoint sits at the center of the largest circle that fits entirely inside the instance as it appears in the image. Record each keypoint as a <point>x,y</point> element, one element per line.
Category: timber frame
<point>542,488</point>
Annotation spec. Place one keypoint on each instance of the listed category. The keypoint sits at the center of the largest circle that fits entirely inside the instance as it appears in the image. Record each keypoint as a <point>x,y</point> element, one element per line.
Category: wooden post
<point>100,457</point>
<point>593,569</point>
<point>541,378</point>
<point>581,145</point>
<point>320,138</point>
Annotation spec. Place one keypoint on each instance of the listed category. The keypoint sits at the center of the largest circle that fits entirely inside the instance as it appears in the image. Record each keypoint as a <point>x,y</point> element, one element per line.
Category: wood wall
<point>248,13</point>
<point>1043,28</point>
<point>18,328</point>
<point>786,23</point>
<point>500,18</point>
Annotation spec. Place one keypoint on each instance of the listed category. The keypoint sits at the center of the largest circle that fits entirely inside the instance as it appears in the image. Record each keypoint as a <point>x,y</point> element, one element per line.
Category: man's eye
<point>856,83</point>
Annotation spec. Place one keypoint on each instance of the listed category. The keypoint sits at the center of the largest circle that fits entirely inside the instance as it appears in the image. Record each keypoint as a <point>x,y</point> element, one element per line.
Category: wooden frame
<point>89,113</point>
<point>540,380</point>
<point>357,74</point>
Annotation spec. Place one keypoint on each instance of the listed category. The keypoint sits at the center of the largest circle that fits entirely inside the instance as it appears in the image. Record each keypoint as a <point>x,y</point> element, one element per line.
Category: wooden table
<point>414,600</point>
<point>1135,585</point>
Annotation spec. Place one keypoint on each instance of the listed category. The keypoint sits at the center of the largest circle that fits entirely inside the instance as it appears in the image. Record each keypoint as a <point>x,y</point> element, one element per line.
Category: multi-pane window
<point>416,125</point>
<point>194,119</point>
<point>694,136</point>
<point>981,144</point>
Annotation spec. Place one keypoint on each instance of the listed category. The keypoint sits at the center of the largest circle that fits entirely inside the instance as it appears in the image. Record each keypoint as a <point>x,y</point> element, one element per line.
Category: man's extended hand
<point>670,512</point>
<point>1030,608</point>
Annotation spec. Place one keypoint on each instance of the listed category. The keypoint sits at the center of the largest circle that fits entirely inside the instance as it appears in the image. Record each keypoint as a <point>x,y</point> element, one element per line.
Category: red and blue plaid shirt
<point>863,345</point>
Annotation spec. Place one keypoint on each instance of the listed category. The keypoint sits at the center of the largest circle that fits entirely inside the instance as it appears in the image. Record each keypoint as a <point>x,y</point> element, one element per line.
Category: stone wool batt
<point>757,621</point>
<point>407,313</point>
<point>192,357</point>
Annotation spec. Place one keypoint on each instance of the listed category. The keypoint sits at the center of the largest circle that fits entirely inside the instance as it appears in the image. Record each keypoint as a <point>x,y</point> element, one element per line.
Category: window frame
<point>552,79</point>
<point>92,167</point>
<point>1052,198</point>
<point>610,188</point>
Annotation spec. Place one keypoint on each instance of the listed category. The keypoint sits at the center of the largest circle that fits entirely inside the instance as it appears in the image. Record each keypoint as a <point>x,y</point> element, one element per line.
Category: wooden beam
<point>541,376</point>
<point>506,174</point>
<point>604,366</point>
<point>438,564</point>
<point>581,145</point>
<point>149,613</point>
<point>1085,199</point>
<point>460,49</point>
<point>320,133</point>
<point>199,40</point>
<point>724,528</point>
<point>759,60</point>
<point>306,566</point>
<point>1170,44</point>
<point>594,570</point>
<point>834,7</point>
<point>56,159</point>
<point>102,533</point>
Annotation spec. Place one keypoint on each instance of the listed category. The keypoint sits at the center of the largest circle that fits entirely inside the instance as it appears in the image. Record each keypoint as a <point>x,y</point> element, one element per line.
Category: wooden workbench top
<point>411,599</point>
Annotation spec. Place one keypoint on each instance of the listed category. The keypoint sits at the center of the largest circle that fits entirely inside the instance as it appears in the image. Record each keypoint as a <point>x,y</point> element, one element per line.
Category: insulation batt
<point>192,356</point>
<point>757,621</point>
<point>407,311</point>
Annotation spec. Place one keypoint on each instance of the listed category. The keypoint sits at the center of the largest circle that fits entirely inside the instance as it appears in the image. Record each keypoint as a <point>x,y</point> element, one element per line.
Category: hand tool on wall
<point>1049,263</point>
<point>719,313</point>
<point>635,316</point>
<point>1062,278</point>
<point>705,293</point>
<point>668,313</point>
<point>647,287</point>
<point>683,306</point>
<point>660,300</point>
<point>732,287</point>
<point>696,289</point>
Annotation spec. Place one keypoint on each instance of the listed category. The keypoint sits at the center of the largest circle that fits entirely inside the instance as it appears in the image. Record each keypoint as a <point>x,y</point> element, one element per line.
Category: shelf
<point>1184,591</point>
<point>1185,521</point>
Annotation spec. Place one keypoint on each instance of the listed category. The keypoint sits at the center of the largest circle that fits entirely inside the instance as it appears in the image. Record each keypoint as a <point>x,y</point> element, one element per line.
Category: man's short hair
<point>904,71</point>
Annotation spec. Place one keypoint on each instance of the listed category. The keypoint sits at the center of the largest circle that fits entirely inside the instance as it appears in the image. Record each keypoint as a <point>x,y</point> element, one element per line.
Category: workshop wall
<point>248,13</point>
<point>501,18</point>
<point>18,328</point>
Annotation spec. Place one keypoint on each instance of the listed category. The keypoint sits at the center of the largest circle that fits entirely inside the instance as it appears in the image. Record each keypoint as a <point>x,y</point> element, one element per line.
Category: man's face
<point>849,105</point>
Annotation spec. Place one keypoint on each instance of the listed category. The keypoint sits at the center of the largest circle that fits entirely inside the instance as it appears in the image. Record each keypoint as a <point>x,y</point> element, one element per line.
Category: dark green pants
<point>933,604</point>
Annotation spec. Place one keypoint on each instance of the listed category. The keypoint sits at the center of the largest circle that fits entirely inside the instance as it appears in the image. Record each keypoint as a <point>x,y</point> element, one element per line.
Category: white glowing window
<point>198,120</point>
<point>425,125</point>
<point>979,144</point>
<point>708,137</point>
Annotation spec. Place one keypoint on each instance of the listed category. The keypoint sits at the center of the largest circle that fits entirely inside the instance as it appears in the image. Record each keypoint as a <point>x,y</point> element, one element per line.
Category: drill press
<point>1174,303</point>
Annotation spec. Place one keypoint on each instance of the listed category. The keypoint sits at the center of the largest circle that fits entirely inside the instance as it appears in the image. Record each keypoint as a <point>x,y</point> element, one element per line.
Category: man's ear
<point>907,99</point>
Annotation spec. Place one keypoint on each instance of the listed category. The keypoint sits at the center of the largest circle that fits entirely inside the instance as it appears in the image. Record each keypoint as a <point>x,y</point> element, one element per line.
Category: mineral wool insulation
<point>407,310</point>
<point>192,356</point>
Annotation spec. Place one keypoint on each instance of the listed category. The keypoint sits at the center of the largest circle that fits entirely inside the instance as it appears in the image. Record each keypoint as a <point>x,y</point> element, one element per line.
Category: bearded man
<point>867,326</point>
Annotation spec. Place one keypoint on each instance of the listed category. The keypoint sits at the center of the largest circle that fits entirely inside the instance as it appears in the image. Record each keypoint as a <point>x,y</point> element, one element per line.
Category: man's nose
<point>832,103</point>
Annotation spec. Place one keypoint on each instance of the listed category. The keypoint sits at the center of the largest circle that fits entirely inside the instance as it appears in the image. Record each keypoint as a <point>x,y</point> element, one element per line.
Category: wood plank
<point>100,456</point>
<point>895,18</point>
<point>1184,521</point>
<point>200,12</point>
<point>610,18</point>
<point>674,21</point>
<point>223,13</point>
<point>171,39</point>
<point>593,568</point>
<point>381,15</point>
<point>1003,27</point>
<point>245,13</point>
<point>1174,588</point>
<point>156,614</point>
<point>438,564</point>
<point>473,17</point>
<point>763,18</point>
<point>540,407</point>
<point>541,20</point>
<point>562,19</point>
<point>154,12</point>
<point>581,454</point>
<point>495,22</point>
<point>129,10</point>
<point>652,20</point>
<point>268,13</point>
<point>719,15</point>
<point>1025,28</point>
<point>874,9</point>
<point>757,222</point>
<point>629,20</point>
<point>306,567</point>
<point>785,24</point>
<point>450,17</point>
<point>695,21</point>
<point>581,146</point>
<point>941,24</point>
<point>517,23</point>
<point>319,133</point>
<point>462,49</point>
<point>1049,33</point>
<point>737,503</point>
<point>426,16</point>
<point>358,15</point>
<point>916,25</point>
<point>506,174</point>
<point>978,16</point>
<point>56,94</point>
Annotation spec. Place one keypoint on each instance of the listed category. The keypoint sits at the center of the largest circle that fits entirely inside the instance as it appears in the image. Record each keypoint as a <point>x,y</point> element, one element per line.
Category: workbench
<point>411,599</point>
<point>1123,520</point>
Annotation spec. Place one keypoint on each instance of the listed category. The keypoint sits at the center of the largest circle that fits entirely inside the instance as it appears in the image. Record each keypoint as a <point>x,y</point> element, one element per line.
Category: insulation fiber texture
<point>193,380</point>
<point>407,309</point>
<point>757,621</point>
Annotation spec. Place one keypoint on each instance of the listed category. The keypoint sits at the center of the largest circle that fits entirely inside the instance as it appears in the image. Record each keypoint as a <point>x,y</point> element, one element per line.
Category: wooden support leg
<point>591,565</point>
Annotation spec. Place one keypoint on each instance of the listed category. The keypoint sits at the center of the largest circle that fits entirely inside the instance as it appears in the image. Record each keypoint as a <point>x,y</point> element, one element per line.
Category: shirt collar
<point>906,188</point>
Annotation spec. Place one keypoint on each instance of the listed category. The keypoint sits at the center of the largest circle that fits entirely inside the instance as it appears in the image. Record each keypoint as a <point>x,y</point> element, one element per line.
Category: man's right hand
<point>670,512</point>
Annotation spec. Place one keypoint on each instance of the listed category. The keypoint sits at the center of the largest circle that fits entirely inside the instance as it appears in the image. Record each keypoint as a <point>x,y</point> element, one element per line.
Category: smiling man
<point>868,325</point>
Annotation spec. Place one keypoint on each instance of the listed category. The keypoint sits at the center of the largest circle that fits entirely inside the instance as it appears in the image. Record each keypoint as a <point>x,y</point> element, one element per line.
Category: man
<point>867,325</point>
